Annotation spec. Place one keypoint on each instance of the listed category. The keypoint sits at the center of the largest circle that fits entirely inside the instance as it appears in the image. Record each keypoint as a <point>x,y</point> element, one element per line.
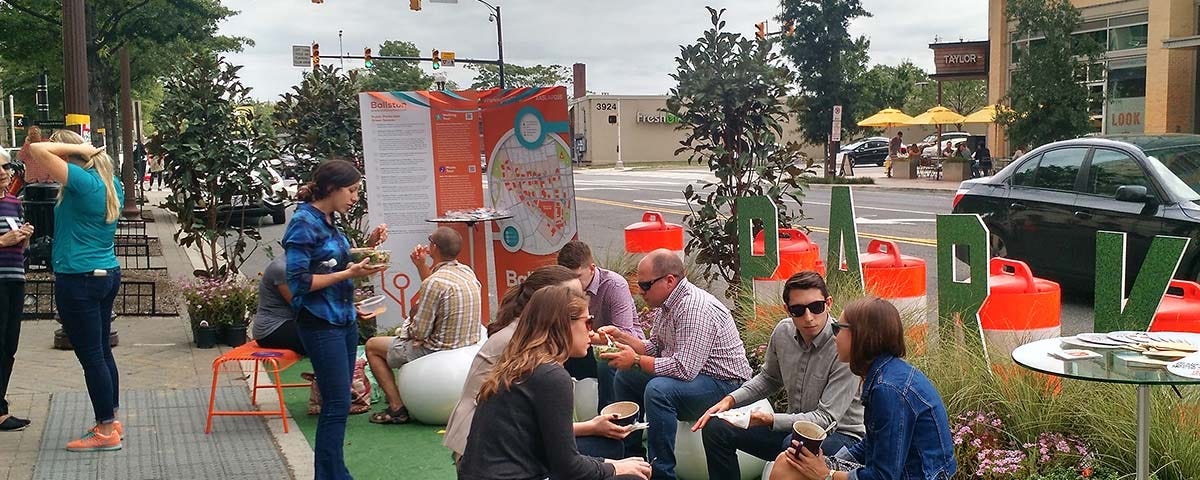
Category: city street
<point>608,200</point>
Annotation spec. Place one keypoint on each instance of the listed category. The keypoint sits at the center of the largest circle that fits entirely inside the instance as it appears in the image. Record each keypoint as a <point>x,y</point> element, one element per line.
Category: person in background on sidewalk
<point>894,147</point>
<point>86,272</point>
<point>14,239</point>
<point>908,430</point>
<point>448,316</point>
<point>598,437</point>
<point>156,170</point>
<point>801,360</point>
<point>522,427</point>
<point>321,279</point>
<point>610,302</point>
<point>693,359</point>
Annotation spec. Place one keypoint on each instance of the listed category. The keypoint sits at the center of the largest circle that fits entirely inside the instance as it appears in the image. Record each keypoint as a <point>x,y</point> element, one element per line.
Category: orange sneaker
<point>116,427</point>
<point>95,441</point>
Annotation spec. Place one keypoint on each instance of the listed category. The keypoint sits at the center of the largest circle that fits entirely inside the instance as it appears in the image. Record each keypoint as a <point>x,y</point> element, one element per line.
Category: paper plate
<point>1128,336</point>
<point>372,302</point>
<point>1145,362</point>
<point>1187,367</point>
<point>1100,339</point>
<point>1076,342</point>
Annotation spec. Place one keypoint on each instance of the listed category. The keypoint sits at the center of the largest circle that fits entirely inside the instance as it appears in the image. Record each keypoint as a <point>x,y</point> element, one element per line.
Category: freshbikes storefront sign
<point>657,117</point>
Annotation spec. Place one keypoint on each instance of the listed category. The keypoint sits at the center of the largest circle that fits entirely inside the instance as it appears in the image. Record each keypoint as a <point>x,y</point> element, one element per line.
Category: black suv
<point>1046,207</point>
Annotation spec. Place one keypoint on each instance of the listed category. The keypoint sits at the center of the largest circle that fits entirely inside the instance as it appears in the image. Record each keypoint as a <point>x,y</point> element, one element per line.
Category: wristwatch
<point>637,361</point>
<point>829,476</point>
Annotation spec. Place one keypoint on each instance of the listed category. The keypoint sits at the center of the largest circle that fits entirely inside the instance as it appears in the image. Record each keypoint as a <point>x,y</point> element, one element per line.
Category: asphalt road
<point>608,201</point>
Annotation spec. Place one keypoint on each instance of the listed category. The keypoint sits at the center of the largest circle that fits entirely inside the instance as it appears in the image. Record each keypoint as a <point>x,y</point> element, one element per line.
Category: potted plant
<point>239,297</point>
<point>956,169</point>
<point>218,306</point>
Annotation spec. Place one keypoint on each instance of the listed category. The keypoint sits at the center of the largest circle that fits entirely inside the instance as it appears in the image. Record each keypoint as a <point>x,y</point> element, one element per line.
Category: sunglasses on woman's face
<point>838,327</point>
<point>797,311</point>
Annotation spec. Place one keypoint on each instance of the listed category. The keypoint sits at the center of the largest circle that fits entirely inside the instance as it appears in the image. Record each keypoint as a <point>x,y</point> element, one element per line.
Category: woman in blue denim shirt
<point>320,276</point>
<point>908,431</point>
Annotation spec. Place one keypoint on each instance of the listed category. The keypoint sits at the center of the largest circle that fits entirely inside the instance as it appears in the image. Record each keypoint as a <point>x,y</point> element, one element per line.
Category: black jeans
<point>12,299</point>
<point>722,440</point>
<point>85,303</point>
<point>286,336</point>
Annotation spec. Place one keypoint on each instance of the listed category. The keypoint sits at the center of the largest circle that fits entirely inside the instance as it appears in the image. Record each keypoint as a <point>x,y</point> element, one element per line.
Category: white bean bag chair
<point>587,399</point>
<point>767,470</point>
<point>690,463</point>
<point>430,386</point>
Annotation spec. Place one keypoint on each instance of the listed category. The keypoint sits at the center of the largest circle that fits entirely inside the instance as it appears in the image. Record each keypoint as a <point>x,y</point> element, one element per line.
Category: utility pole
<point>75,67</point>
<point>341,51</point>
<point>500,45</point>
<point>131,208</point>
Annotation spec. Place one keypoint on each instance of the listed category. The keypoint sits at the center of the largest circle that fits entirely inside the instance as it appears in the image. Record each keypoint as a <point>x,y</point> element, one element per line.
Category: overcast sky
<point>629,46</point>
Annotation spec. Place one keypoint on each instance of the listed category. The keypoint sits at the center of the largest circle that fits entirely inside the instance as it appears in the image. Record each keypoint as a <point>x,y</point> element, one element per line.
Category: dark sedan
<point>868,150</point>
<point>1046,207</point>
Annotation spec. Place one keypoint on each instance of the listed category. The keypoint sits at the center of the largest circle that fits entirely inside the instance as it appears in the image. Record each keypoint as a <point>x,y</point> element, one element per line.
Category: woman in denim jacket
<point>908,431</point>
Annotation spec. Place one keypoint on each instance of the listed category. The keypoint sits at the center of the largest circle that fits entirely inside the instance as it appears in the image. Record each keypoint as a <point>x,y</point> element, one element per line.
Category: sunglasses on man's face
<point>798,310</point>
<point>838,327</point>
<point>645,286</point>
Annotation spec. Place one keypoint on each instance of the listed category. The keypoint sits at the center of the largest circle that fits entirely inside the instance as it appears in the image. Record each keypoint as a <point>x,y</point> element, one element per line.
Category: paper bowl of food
<point>599,350</point>
<point>377,257</point>
<point>360,254</point>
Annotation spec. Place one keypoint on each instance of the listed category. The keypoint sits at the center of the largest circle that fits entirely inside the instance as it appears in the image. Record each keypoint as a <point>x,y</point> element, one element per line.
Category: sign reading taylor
<point>963,60</point>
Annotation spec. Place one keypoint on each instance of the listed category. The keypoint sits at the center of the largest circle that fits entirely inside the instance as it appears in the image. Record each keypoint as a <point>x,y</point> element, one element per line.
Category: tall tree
<point>828,62</point>
<point>488,76</point>
<point>319,120</point>
<point>729,104</point>
<point>392,75</point>
<point>1047,101</point>
<point>159,34</point>
<point>211,141</point>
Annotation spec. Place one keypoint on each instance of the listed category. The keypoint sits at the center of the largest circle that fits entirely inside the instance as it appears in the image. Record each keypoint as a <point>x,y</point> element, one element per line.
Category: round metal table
<point>470,222</point>
<point>1112,367</point>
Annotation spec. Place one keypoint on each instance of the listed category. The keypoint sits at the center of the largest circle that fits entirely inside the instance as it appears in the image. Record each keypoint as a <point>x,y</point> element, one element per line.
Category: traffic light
<point>762,30</point>
<point>414,5</point>
<point>367,60</point>
<point>437,59</point>
<point>316,54</point>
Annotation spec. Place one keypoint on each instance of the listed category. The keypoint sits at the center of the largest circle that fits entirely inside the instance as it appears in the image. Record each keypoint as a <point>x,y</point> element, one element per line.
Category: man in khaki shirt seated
<point>448,316</point>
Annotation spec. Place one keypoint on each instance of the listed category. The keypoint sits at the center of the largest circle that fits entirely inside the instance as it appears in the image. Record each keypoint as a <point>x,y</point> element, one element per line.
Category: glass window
<point>1023,177</point>
<point>1098,36</point>
<point>1124,38</point>
<point>1111,169</point>
<point>1059,169</point>
<point>1017,47</point>
<point>1178,168</point>
<point>1127,82</point>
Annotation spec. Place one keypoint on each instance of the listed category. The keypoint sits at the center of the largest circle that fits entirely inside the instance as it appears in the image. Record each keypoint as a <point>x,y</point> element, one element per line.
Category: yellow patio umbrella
<point>984,115</point>
<point>938,115</point>
<point>886,118</point>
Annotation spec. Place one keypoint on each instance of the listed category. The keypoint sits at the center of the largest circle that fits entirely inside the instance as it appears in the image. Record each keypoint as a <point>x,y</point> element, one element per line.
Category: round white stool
<point>587,399</point>
<point>430,386</point>
<point>690,463</point>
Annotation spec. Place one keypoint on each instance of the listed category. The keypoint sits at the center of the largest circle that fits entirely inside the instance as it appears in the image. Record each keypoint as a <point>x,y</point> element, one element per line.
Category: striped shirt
<point>450,310</point>
<point>694,334</point>
<point>12,258</point>
<point>612,304</point>
<point>315,247</point>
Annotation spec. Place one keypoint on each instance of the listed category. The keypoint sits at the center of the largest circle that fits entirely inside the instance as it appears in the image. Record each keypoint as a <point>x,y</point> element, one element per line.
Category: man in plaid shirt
<point>448,316</point>
<point>694,357</point>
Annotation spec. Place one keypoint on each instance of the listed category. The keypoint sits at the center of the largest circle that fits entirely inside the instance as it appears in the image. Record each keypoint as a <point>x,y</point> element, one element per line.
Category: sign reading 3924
<point>606,106</point>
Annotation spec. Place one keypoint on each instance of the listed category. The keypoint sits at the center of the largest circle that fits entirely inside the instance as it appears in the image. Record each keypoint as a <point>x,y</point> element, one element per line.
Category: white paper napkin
<point>739,417</point>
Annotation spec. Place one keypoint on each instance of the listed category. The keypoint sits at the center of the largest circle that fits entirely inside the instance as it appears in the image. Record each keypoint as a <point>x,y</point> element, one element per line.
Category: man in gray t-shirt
<point>275,321</point>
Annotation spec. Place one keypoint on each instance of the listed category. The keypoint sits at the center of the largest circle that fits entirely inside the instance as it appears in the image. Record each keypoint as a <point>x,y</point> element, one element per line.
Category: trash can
<point>40,199</point>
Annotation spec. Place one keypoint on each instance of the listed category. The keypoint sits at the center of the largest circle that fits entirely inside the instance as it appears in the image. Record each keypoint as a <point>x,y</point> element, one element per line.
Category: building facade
<point>1147,72</point>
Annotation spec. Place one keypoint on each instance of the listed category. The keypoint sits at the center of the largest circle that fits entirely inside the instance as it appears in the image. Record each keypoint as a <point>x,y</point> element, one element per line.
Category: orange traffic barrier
<point>796,254</point>
<point>652,233</point>
<point>1178,312</point>
<point>272,361</point>
<point>899,279</point>
<point>1020,308</point>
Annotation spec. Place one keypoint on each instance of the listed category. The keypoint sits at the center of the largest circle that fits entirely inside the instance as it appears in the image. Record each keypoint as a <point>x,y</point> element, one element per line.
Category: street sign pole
<point>835,140</point>
<point>12,121</point>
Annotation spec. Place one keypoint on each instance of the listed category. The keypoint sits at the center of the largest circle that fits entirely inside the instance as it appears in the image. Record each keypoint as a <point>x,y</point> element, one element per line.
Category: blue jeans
<point>601,447</point>
<point>85,302</point>
<point>665,401</point>
<point>331,350</point>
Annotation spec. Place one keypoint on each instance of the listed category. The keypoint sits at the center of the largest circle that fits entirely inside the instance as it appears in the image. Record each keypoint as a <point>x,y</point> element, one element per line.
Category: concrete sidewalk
<point>164,386</point>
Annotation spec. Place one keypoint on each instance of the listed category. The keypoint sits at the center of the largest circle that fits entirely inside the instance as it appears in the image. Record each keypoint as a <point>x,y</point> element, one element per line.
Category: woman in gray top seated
<point>275,321</point>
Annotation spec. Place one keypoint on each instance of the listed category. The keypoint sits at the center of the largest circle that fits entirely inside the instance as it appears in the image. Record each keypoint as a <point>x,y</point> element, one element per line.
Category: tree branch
<point>30,12</point>
<point>115,19</point>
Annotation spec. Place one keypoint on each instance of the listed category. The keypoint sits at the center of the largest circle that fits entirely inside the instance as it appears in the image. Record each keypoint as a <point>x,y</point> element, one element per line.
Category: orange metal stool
<point>272,361</point>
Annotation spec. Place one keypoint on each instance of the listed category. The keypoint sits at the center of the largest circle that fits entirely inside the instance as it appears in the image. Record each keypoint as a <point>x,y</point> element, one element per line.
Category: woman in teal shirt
<point>86,273</point>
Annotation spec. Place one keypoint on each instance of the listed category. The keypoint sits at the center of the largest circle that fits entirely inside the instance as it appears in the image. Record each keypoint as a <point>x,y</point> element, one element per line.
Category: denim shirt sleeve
<point>889,429</point>
<point>299,244</point>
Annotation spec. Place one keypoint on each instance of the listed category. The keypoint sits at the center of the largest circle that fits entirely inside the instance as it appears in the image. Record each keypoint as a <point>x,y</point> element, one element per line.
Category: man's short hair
<point>575,254</point>
<point>805,280</point>
<point>665,262</point>
<point>899,133</point>
<point>448,241</point>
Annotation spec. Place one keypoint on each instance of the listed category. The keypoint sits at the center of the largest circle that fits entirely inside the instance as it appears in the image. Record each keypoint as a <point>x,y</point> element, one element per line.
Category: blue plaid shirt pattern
<point>314,247</point>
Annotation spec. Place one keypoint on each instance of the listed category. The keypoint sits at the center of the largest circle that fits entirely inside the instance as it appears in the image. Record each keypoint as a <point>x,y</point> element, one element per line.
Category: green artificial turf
<point>376,451</point>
